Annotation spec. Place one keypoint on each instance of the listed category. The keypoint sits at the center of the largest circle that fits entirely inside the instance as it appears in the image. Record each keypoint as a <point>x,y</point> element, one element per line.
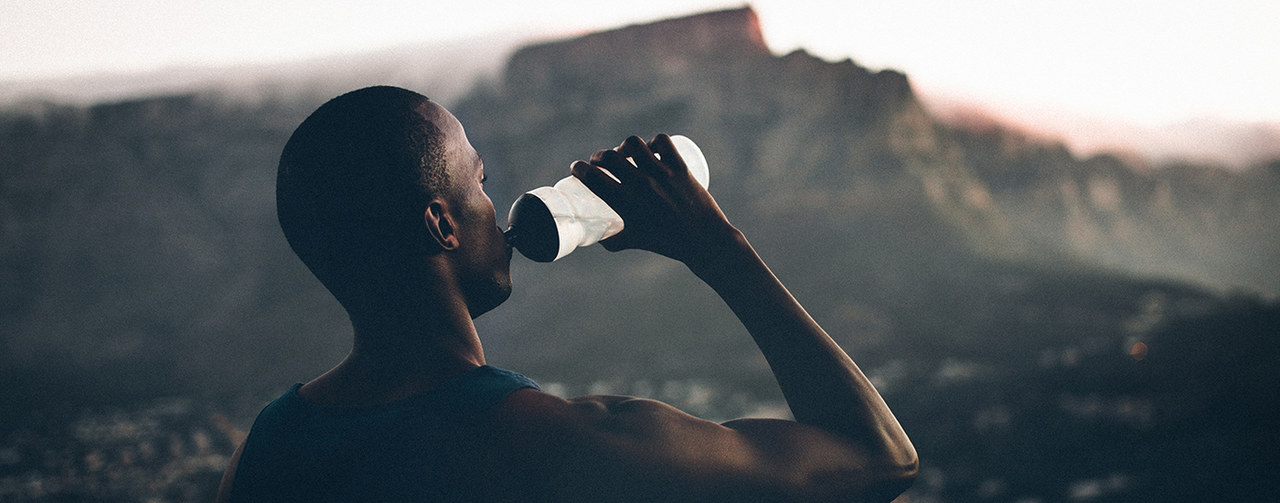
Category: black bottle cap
<point>533,229</point>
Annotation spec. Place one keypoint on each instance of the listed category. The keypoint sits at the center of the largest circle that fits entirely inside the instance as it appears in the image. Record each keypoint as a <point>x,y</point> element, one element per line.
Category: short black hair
<point>353,182</point>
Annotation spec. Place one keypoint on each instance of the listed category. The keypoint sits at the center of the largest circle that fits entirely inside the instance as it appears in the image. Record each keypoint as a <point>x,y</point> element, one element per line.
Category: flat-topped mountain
<point>797,132</point>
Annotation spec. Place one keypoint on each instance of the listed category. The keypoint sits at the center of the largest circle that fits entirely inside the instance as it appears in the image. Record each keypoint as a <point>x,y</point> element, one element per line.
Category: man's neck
<point>395,356</point>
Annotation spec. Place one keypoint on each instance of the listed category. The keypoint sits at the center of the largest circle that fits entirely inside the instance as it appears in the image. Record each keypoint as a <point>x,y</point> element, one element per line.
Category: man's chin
<point>497,293</point>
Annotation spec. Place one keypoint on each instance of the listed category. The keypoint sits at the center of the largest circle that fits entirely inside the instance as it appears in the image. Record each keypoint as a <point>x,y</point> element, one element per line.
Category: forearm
<point>822,385</point>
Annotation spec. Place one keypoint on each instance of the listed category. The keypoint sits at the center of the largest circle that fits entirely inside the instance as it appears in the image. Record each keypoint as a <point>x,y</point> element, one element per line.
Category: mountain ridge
<point>1101,208</point>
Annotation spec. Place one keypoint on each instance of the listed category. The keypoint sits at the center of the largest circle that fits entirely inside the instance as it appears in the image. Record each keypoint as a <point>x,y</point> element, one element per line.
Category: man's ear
<point>440,225</point>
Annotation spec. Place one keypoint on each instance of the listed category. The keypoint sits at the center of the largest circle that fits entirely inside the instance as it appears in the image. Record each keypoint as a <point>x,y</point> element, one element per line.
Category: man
<point>381,195</point>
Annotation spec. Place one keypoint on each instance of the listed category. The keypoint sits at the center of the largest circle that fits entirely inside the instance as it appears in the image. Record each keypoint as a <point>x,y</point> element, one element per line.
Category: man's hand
<point>664,209</point>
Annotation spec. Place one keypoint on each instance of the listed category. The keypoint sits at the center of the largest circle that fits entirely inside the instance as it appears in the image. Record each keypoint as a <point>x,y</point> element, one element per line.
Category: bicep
<point>643,428</point>
<point>639,446</point>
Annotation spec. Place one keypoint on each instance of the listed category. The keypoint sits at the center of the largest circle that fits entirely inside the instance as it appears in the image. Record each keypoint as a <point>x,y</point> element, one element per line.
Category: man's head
<point>379,194</point>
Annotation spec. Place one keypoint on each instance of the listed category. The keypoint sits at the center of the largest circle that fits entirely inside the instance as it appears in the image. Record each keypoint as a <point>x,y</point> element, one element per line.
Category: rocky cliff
<point>796,134</point>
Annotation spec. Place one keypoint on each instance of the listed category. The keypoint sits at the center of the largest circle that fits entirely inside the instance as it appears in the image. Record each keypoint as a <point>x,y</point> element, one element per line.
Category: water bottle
<point>548,223</point>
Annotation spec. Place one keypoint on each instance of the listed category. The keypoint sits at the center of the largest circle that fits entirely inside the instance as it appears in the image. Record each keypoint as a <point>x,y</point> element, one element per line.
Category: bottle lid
<point>533,229</point>
<point>693,159</point>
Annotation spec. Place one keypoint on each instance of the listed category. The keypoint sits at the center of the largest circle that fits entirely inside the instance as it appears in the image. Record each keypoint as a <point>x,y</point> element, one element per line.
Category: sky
<point>1143,62</point>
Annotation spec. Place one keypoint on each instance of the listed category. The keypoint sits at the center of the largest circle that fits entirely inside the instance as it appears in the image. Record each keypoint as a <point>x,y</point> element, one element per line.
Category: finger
<point>616,164</point>
<point>638,151</point>
<point>599,154</point>
<point>596,179</point>
<point>663,146</point>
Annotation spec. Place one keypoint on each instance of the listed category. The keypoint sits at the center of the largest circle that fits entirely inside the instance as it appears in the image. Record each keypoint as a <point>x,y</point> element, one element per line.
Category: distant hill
<point>1048,327</point>
<point>1202,140</point>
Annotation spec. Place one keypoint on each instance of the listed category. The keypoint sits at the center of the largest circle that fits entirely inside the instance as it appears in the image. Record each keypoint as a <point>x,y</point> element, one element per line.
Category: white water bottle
<point>548,223</point>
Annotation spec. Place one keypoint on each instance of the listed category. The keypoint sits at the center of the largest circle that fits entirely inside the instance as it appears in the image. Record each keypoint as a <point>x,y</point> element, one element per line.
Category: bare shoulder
<point>618,448</point>
<point>535,409</point>
<point>609,425</point>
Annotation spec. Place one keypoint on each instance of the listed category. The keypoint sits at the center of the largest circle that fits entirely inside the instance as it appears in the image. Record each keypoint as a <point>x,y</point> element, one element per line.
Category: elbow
<point>899,481</point>
<point>906,462</point>
<point>896,475</point>
<point>878,482</point>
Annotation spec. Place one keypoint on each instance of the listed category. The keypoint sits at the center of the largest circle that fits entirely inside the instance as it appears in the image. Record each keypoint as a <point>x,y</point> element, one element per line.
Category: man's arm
<point>229,476</point>
<point>845,443</point>
<point>822,385</point>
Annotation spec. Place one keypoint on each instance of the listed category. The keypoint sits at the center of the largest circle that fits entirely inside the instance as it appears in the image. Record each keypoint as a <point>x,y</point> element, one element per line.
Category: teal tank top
<point>422,448</point>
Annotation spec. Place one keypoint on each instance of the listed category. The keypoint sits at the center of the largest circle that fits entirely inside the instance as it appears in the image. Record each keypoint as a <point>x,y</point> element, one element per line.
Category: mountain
<point>838,137</point>
<point>1046,327</point>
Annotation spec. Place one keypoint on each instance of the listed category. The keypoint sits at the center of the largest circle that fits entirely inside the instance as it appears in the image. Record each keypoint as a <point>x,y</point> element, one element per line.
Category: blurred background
<point>1046,233</point>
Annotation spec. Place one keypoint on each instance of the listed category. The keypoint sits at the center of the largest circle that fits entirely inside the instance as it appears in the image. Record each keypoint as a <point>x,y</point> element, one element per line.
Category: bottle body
<point>548,223</point>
